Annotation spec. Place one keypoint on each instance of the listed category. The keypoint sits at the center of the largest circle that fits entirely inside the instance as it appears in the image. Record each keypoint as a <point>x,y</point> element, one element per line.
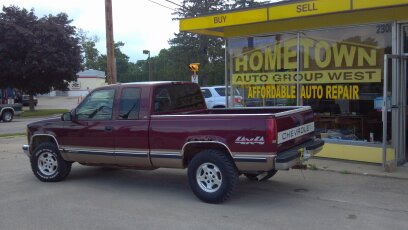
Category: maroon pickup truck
<point>152,125</point>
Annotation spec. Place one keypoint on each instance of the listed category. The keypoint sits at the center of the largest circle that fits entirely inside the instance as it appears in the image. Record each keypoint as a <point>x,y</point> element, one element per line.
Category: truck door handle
<point>108,128</point>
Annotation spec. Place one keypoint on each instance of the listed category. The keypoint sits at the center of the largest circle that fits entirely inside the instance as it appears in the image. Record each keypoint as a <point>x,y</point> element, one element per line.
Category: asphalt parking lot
<point>19,125</point>
<point>101,198</point>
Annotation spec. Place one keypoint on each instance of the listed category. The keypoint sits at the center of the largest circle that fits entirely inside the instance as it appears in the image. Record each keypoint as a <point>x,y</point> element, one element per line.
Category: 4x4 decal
<point>246,141</point>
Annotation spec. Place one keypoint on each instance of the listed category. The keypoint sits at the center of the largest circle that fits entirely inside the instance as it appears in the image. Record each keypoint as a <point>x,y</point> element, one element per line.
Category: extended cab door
<point>88,137</point>
<point>131,128</point>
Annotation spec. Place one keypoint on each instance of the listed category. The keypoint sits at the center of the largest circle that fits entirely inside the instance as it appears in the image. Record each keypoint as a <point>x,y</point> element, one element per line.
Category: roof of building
<point>91,73</point>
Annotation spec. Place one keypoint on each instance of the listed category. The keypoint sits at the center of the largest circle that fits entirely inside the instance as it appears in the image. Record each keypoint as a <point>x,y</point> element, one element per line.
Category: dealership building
<point>347,59</point>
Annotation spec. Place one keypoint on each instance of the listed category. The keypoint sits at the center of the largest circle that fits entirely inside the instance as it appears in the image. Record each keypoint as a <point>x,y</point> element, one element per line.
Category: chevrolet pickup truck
<point>152,125</point>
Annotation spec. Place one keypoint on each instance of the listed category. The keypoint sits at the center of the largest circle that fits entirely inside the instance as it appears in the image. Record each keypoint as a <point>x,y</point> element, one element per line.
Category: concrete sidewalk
<point>359,168</point>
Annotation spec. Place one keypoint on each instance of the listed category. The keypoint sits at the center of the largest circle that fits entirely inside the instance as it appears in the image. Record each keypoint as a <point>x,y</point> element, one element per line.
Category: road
<point>19,125</point>
<point>100,198</point>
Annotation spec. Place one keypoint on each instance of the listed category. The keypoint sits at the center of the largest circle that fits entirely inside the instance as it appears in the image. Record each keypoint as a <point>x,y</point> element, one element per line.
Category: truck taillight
<point>271,131</point>
<point>237,100</point>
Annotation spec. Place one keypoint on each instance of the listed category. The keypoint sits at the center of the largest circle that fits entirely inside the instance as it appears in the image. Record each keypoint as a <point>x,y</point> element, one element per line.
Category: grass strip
<point>43,112</point>
<point>12,135</point>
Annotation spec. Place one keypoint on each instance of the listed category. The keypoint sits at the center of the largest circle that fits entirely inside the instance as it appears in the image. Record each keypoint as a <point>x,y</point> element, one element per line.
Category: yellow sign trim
<point>364,4</point>
<point>222,20</point>
<point>308,8</point>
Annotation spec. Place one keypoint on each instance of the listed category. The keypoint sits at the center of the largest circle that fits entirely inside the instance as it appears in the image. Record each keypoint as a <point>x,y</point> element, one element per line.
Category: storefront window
<point>343,80</point>
<point>338,72</point>
<point>257,60</point>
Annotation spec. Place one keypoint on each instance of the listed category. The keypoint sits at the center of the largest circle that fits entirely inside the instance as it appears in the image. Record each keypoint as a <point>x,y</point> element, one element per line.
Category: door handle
<point>108,128</point>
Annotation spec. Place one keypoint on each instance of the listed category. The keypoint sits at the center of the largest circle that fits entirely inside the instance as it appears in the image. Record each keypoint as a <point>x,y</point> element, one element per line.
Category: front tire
<point>7,116</point>
<point>48,165</point>
<point>212,176</point>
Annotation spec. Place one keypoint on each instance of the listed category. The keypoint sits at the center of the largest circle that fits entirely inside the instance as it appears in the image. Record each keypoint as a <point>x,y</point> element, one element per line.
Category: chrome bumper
<point>304,152</point>
<point>26,150</point>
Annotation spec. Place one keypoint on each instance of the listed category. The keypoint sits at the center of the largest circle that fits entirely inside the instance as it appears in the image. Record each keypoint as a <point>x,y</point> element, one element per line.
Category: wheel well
<point>190,150</point>
<point>37,140</point>
<point>5,110</point>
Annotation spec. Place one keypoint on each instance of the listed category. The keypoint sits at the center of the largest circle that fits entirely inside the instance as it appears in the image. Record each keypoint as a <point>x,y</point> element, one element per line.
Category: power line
<point>161,5</point>
<point>182,7</point>
<point>174,3</point>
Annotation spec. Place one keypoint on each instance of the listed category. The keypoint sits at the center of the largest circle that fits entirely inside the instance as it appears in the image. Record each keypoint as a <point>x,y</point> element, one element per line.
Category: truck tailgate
<point>294,128</point>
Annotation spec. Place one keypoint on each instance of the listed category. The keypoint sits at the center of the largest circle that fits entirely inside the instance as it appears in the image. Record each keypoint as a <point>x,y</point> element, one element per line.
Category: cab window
<point>129,106</point>
<point>97,106</point>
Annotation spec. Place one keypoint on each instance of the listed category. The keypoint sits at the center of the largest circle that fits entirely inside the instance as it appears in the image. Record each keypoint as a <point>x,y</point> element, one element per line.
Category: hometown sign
<point>330,70</point>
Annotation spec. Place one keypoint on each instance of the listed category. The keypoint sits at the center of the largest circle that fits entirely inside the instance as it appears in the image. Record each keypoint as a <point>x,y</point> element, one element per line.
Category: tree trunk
<point>31,102</point>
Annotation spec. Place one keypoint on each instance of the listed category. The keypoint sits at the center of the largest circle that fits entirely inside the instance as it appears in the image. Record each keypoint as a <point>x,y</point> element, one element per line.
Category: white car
<point>215,97</point>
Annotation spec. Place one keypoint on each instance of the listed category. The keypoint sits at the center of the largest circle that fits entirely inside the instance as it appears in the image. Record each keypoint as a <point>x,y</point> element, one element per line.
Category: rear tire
<point>48,165</point>
<point>212,176</point>
<point>260,176</point>
<point>7,116</point>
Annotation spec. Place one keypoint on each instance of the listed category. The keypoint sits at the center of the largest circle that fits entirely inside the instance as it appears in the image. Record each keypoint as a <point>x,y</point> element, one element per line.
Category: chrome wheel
<point>47,163</point>
<point>7,116</point>
<point>209,177</point>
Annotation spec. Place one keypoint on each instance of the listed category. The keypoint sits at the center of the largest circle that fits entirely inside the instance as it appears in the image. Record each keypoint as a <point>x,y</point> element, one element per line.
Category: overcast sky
<point>140,24</point>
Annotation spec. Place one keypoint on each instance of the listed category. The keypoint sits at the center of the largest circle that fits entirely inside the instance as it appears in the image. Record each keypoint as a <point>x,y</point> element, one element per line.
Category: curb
<point>346,172</point>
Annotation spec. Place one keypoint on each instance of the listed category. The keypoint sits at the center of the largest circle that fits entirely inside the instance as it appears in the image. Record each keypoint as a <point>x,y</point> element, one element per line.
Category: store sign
<point>336,61</point>
<point>309,77</point>
<point>330,69</point>
<point>75,85</point>
<point>227,19</point>
<point>363,4</point>
<point>345,92</point>
<point>308,8</point>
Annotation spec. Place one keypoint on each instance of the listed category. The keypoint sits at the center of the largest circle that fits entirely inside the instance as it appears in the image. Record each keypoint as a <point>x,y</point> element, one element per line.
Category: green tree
<point>206,50</point>
<point>37,54</point>
<point>209,51</point>
<point>125,70</point>
<point>89,52</point>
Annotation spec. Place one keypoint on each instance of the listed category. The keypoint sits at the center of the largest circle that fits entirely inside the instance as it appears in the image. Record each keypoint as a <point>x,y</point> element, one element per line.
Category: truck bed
<point>230,124</point>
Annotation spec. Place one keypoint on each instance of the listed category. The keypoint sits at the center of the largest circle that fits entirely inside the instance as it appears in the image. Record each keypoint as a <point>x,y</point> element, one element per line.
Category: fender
<point>8,107</point>
<point>204,142</point>
<point>43,134</point>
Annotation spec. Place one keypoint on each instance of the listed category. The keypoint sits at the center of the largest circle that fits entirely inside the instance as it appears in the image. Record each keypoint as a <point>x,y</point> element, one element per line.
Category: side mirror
<point>66,116</point>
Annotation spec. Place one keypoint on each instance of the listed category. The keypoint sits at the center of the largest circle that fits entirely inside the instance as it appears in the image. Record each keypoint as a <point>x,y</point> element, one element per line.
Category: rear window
<point>220,91</point>
<point>206,93</point>
<point>178,97</point>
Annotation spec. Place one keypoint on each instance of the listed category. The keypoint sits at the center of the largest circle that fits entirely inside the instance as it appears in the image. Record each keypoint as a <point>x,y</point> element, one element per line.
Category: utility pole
<point>110,49</point>
<point>149,61</point>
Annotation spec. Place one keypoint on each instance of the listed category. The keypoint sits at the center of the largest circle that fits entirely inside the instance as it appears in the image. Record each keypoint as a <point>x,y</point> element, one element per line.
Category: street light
<point>150,62</point>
